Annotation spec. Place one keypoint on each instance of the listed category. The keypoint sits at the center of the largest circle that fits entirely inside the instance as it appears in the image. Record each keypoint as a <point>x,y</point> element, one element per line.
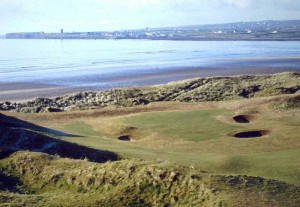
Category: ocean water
<point>118,63</point>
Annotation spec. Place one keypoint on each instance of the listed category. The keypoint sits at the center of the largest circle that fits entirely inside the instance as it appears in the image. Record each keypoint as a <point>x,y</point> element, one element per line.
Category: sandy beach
<point>18,92</point>
<point>22,91</point>
<point>84,65</point>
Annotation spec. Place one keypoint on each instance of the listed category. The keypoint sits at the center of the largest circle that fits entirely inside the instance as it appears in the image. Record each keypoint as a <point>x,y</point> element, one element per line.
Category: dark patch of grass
<point>10,183</point>
<point>24,139</point>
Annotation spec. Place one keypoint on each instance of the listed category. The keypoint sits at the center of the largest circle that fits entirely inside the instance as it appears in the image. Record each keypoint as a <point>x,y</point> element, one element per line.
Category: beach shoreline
<point>24,91</point>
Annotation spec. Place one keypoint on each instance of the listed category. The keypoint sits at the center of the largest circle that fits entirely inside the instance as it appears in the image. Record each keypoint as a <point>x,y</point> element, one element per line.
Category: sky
<point>109,15</point>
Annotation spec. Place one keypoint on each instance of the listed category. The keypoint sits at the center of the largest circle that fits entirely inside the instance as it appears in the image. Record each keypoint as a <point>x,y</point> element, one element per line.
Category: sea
<point>102,64</point>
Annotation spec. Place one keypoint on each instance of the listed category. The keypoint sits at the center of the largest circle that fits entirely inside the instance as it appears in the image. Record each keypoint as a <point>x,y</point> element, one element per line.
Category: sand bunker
<point>124,138</point>
<point>243,119</point>
<point>252,134</point>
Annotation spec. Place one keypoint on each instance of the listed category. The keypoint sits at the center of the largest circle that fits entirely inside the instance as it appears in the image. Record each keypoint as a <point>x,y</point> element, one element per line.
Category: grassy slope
<point>133,183</point>
<point>202,138</point>
<point>192,90</point>
<point>194,135</point>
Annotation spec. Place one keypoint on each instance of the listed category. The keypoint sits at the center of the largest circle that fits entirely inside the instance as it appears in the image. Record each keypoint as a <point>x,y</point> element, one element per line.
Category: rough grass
<point>134,183</point>
<point>197,137</point>
<point>290,103</point>
<point>193,90</point>
<point>203,138</point>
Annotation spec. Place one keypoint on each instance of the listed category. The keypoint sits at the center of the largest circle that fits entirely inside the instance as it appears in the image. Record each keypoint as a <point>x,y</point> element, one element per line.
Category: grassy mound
<point>200,135</point>
<point>21,135</point>
<point>193,90</point>
<point>195,136</point>
<point>134,183</point>
<point>286,103</point>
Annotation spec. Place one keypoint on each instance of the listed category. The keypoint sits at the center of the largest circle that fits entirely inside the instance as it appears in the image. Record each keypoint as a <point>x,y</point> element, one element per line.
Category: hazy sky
<point>99,15</point>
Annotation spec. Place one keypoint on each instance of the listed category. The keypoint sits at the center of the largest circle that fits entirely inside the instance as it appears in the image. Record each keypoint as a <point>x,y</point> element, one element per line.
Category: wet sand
<point>22,91</point>
<point>18,92</point>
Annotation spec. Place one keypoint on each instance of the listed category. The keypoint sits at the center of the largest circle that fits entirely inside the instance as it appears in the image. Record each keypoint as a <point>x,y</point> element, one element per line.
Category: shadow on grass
<point>17,135</point>
<point>12,184</point>
<point>12,122</point>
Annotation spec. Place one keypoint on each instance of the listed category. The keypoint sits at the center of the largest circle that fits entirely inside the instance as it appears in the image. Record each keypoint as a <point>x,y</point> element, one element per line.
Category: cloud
<point>262,4</point>
<point>242,4</point>
<point>15,15</point>
<point>286,4</point>
<point>8,7</point>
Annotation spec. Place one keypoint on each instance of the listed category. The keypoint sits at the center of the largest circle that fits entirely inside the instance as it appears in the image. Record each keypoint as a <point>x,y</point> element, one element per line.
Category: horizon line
<point>161,27</point>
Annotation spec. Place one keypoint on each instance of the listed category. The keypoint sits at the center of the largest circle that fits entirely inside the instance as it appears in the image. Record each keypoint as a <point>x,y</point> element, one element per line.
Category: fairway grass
<point>201,138</point>
<point>196,135</point>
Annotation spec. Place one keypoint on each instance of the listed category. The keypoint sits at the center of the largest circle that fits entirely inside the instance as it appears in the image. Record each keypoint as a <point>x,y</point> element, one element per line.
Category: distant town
<point>262,30</point>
